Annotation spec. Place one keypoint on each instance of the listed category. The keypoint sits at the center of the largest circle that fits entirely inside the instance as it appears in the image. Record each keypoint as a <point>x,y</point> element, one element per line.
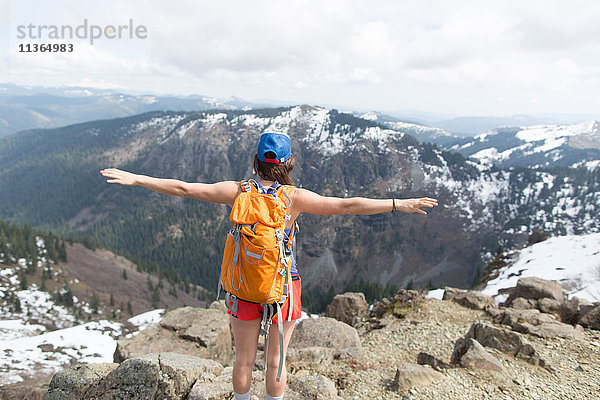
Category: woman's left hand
<point>413,205</point>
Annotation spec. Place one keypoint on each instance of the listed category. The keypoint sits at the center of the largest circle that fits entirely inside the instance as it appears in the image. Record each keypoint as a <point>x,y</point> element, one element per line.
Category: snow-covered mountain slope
<point>572,260</point>
<point>422,133</point>
<point>535,146</point>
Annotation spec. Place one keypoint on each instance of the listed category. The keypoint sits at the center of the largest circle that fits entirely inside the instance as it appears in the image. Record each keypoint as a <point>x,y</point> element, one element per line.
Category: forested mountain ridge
<point>51,178</point>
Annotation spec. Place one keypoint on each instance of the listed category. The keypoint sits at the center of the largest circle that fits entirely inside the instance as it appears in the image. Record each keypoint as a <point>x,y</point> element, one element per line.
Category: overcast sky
<point>459,57</point>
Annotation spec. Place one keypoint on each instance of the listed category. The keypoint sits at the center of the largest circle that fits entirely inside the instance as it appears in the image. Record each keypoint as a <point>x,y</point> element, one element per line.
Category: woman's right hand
<point>119,176</point>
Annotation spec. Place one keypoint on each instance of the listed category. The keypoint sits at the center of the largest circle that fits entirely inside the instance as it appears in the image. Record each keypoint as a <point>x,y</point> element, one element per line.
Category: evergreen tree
<point>62,252</point>
<point>111,302</point>
<point>410,284</point>
<point>155,298</point>
<point>150,286</point>
<point>23,280</point>
<point>18,304</point>
<point>68,297</point>
<point>129,308</point>
<point>124,273</point>
<point>94,303</point>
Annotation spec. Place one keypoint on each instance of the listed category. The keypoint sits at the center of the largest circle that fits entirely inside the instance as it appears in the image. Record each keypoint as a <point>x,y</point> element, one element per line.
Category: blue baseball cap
<point>278,143</point>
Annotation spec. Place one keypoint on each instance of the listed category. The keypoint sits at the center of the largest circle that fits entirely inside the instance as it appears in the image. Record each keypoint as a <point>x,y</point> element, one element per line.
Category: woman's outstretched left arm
<point>313,203</point>
<point>221,192</point>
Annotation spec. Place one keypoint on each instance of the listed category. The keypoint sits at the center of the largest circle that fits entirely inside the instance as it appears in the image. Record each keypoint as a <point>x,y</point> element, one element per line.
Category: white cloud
<point>268,48</point>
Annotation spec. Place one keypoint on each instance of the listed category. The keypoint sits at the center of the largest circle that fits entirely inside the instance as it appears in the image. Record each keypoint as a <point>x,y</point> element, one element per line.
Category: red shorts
<point>247,311</point>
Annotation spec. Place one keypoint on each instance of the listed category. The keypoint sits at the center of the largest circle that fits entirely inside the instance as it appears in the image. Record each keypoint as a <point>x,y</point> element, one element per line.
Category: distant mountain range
<point>42,107</point>
<point>49,178</point>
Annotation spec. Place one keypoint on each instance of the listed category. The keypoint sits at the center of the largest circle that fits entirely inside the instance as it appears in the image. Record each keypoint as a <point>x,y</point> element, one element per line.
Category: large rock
<point>327,333</point>
<point>536,288</point>
<point>348,307</point>
<point>72,383</point>
<point>506,341</point>
<point>154,376</point>
<point>195,331</point>
<point>414,375</point>
<point>549,306</point>
<point>524,304</point>
<point>450,293</point>
<point>475,300</point>
<point>400,305</point>
<point>314,387</point>
<point>592,319</point>
<point>536,323</point>
<point>573,309</point>
<point>470,354</point>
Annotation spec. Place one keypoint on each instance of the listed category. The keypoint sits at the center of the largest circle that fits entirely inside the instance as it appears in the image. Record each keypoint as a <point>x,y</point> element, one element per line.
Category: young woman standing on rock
<point>272,163</point>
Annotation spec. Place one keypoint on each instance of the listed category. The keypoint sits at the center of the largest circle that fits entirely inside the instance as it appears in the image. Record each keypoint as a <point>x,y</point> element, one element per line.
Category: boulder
<point>469,353</point>
<point>348,307</point>
<point>195,331</point>
<point>506,341</point>
<point>572,310</point>
<point>340,338</point>
<point>591,319</point>
<point>524,304</point>
<point>553,329</point>
<point>413,375</point>
<point>475,300</point>
<point>536,288</point>
<point>450,293</point>
<point>313,387</point>
<point>72,383</point>
<point>402,302</point>
<point>549,306</point>
<point>309,357</point>
<point>154,339</point>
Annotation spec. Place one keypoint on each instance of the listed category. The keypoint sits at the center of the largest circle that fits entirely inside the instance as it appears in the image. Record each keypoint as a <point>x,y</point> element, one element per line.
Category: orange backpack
<point>257,259</point>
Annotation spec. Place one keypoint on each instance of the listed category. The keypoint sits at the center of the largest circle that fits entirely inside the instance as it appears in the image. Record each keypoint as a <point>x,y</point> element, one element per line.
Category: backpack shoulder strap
<point>248,185</point>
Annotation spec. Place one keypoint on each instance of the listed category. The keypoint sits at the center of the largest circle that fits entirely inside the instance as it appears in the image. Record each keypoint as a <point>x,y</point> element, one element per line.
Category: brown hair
<point>275,172</point>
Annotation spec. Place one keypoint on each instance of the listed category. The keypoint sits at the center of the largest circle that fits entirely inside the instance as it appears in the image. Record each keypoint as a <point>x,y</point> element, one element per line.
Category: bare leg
<point>245,337</point>
<point>275,388</point>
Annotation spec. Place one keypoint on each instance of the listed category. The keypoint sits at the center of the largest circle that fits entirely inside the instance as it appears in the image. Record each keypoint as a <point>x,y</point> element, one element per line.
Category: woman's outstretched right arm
<point>221,192</point>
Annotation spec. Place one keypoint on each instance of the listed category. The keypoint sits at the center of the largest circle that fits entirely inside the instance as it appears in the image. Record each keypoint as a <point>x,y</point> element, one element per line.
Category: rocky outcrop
<point>195,331</point>
<point>535,322</point>
<point>506,341</point>
<point>349,307</point>
<point>151,376</point>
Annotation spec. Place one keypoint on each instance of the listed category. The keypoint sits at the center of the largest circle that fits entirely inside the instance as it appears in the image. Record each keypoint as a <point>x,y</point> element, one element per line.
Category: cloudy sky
<point>458,57</point>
